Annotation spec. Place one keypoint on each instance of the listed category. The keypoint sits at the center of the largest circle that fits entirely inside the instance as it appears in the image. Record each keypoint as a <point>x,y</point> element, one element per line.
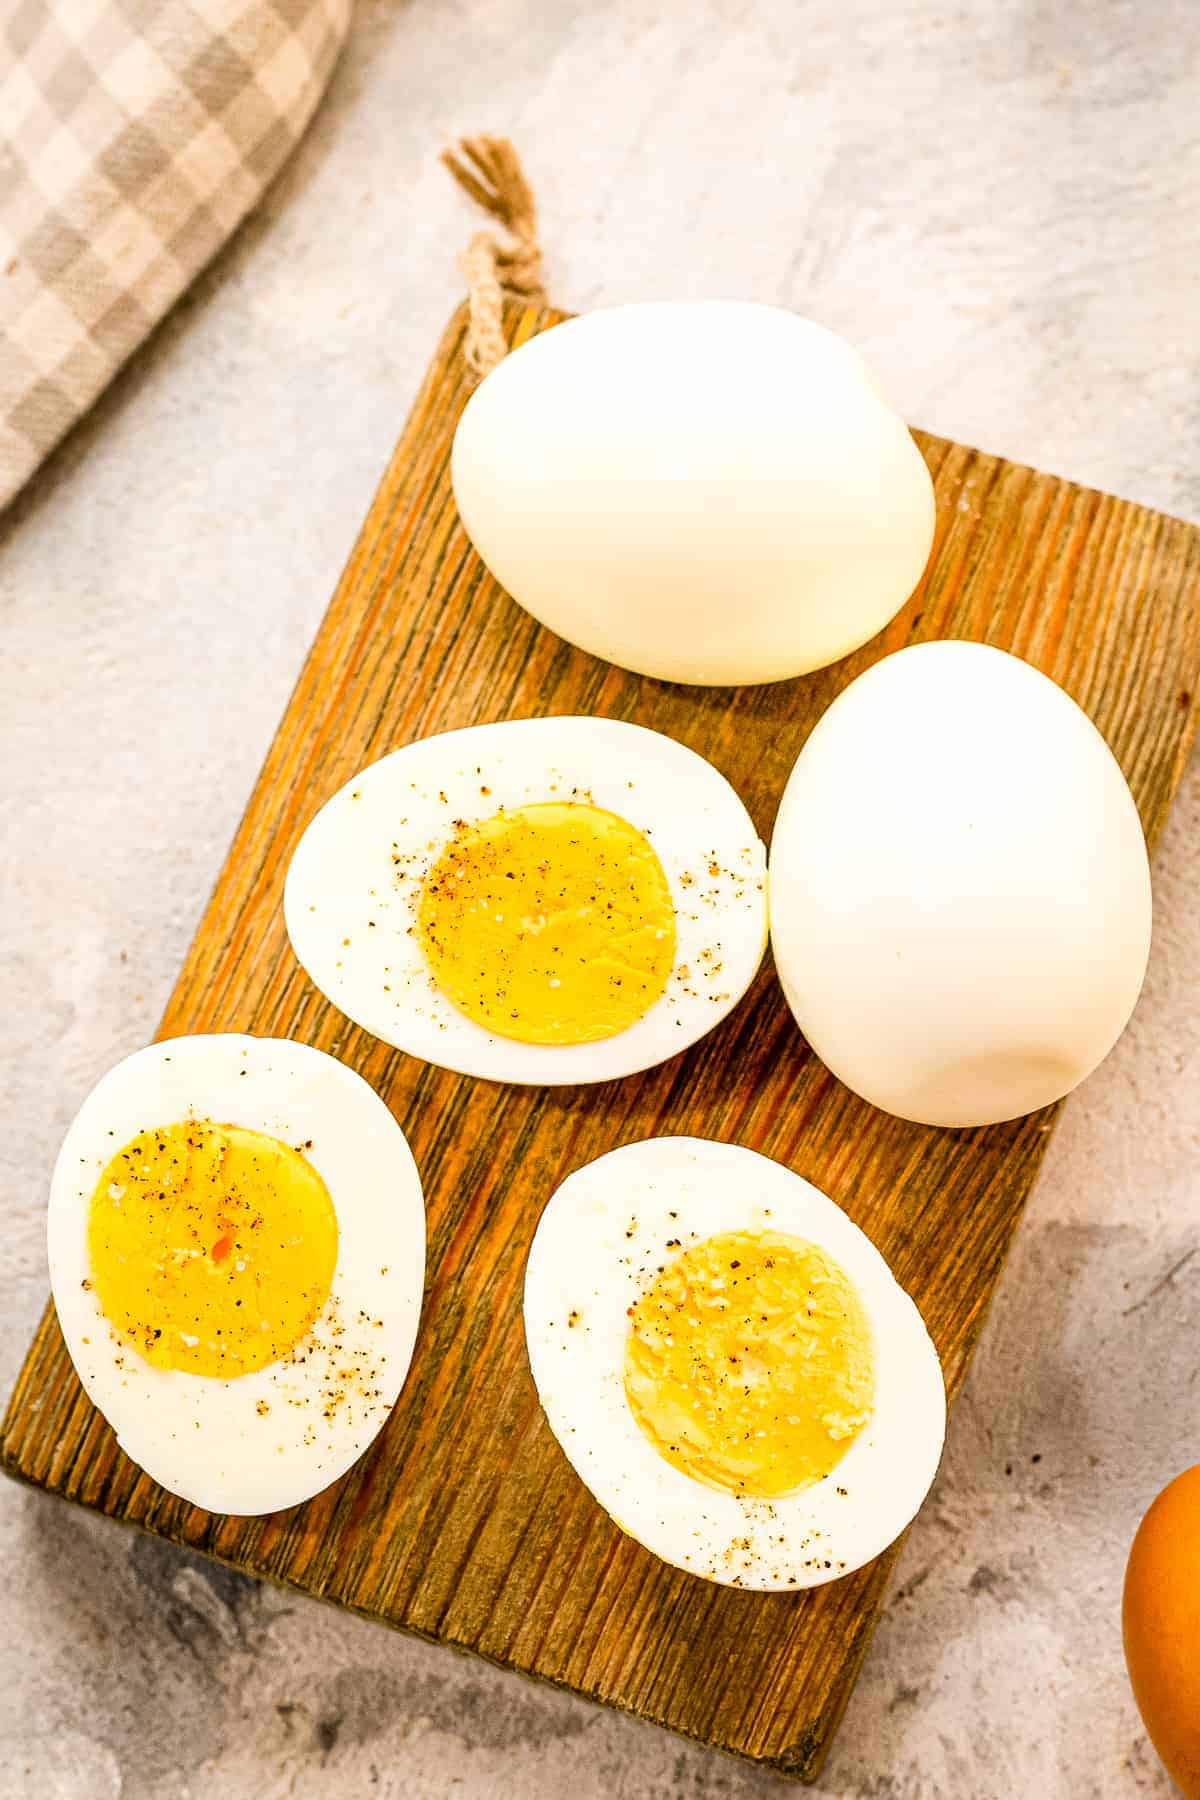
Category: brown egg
<point>1160,1617</point>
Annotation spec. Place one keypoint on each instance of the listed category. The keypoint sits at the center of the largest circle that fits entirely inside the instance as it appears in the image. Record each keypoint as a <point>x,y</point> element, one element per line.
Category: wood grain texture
<point>464,1522</point>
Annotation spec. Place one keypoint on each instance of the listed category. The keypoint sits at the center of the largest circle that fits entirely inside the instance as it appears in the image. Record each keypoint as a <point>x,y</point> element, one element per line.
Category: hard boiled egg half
<point>730,1365</point>
<point>544,900</point>
<point>237,1252</point>
<point>706,491</point>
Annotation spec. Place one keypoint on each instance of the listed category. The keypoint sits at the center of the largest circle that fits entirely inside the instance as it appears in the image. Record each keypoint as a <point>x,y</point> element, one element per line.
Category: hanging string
<point>490,171</point>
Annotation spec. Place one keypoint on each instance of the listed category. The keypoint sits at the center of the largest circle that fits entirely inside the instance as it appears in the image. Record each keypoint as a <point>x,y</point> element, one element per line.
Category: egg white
<point>598,1246</point>
<point>204,1438</point>
<point>351,909</point>
<point>703,491</point>
<point>961,907</point>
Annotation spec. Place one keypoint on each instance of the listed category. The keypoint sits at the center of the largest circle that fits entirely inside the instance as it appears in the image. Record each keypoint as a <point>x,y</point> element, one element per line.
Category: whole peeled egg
<point>959,888</point>
<point>1161,1627</point>
<point>707,492</point>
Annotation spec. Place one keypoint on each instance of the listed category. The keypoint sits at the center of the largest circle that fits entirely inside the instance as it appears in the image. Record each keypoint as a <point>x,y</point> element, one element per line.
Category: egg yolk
<point>750,1363</point>
<point>212,1247</point>
<point>551,924</point>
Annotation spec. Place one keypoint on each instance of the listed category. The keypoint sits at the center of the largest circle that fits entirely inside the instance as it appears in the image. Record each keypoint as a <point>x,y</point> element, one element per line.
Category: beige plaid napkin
<point>134,136</point>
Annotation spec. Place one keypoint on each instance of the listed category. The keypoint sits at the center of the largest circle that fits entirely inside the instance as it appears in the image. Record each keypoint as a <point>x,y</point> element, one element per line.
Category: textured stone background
<point>996,199</point>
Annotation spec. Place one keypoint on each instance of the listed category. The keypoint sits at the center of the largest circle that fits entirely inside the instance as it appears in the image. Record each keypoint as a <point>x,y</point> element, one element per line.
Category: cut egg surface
<point>549,900</point>
<point>729,1364</point>
<point>236,1240</point>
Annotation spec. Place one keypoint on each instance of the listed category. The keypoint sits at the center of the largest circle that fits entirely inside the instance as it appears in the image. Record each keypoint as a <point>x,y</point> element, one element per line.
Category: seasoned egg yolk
<point>551,924</point>
<point>750,1363</point>
<point>212,1247</point>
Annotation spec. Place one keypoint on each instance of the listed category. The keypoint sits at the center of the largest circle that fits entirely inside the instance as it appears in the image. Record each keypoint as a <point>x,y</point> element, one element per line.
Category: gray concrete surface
<point>996,200</point>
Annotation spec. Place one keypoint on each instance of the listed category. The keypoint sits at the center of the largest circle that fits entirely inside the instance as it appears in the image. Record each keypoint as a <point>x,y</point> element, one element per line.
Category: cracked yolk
<point>212,1247</point>
<point>750,1363</point>
<point>551,924</point>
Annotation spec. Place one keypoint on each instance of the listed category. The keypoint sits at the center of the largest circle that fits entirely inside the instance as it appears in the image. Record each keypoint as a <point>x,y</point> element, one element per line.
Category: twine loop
<point>489,170</point>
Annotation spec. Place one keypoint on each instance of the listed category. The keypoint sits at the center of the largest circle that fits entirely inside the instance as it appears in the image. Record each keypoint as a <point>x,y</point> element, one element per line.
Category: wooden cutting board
<point>464,1522</point>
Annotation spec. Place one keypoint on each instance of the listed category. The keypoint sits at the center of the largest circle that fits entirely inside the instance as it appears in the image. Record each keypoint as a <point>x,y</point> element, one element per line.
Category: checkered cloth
<point>134,136</point>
